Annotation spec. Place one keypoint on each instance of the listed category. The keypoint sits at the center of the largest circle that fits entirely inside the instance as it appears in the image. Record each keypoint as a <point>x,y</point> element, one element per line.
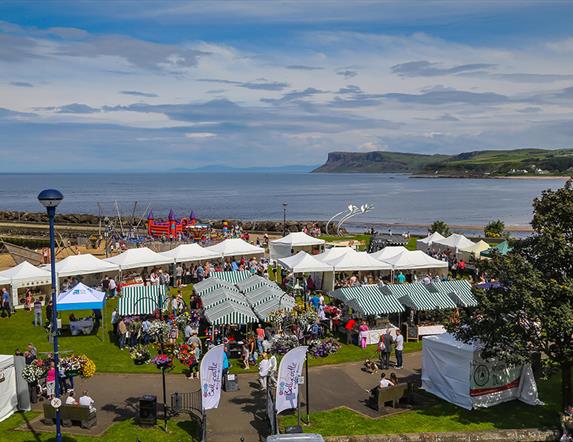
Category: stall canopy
<point>141,300</point>
<point>138,258</point>
<point>454,242</point>
<point>424,243</point>
<point>263,294</point>
<point>388,252</point>
<point>415,260</point>
<point>263,310</point>
<point>473,251</point>
<point>210,284</point>
<point>418,297</point>
<point>368,300</point>
<point>293,242</point>
<point>254,282</point>
<point>454,371</point>
<point>460,291</point>
<point>502,248</point>
<point>83,265</point>
<point>26,275</point>
<point>230,313</point>
<point>302,262</point>
<point>81,297</point>
<point>4,281</point>
<point>236,247</point>
<point>232,277</point>
<point>222,295</point>
<point>356,262</point>
<point>190,253</point>
<point>8,387</point>
<point>332,253</point>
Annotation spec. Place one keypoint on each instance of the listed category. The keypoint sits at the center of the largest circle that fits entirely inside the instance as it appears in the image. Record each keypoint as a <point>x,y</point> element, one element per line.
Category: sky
<point>146,85</point>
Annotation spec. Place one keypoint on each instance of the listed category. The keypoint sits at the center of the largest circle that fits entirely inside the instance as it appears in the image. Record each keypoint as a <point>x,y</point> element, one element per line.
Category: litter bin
<point>231,382</point>
<point>148,410</point>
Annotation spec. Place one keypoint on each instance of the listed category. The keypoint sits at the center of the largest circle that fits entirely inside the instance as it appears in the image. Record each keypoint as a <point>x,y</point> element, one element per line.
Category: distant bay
<point>259,196</point>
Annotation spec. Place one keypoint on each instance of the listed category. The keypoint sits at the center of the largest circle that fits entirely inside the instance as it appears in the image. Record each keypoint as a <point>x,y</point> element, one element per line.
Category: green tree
<point>494,229</point>
<point>440,227</point>
<point>532,309</point>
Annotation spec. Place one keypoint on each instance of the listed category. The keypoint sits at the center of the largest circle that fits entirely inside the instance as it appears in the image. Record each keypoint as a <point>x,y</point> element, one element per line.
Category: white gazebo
<point>416,260</point>
<point>25,275</point>
<point>424,243</point>
<point>357,262</point>
<point>83,265</point>
<point>473,251</point>
<point>138,258</point>
<point>388,252</point>
<point>235,247</point>
<point>190,253</point>
<point>302,262</point>
<point>453,242</point>
<point>334,252</point>
<point>293,243</point>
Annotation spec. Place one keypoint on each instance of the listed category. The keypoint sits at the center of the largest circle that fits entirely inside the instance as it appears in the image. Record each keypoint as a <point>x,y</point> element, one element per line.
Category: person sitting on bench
<point>384,383</point>
<point>71,400</point>
<point>88,401</point>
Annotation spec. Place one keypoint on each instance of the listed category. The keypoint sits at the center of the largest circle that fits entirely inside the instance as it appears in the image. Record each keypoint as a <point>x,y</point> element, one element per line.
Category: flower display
<point>33,373</point>
<point>185,355</point>
<point>71,365</point>
<point>140,354</point>
<point>283,344</point>
<point>322,348</point>
<point>88,367</point>
<point>159,329</point>
<point>162,361</point>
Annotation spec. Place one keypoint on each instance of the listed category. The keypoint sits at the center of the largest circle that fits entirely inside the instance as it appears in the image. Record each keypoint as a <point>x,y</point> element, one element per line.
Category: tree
<point>532,308</point>
<point>440,227</point>
<point>494,229</point>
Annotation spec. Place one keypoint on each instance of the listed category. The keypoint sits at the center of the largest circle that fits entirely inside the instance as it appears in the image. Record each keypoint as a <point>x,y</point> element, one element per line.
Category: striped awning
<point>211,284</point>
<point>232,277</point>
<point>230,313</point>
<point>418,297</point>
<point>254,282</point>
<point>141,300</point>
<point>368,300</point>
<point>222,295</point>
<point>460,291</point>
<point>264,310</point>
<point>263,294</point>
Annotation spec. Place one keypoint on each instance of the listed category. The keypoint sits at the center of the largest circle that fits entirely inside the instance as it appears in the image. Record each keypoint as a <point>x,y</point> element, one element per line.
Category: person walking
<point>387,349</point>
<point>6,309</point>
<point>363,332</point>
<point>38,319</point>
<point>399,348</point>
<point>51,381</point>
<point>264,369</point>
<point>122,330</point>
<point>349,327</point>
<point>260,338</point>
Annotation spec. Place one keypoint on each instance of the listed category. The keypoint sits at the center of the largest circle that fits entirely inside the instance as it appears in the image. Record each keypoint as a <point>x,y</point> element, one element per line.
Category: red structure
<point>170,228</point>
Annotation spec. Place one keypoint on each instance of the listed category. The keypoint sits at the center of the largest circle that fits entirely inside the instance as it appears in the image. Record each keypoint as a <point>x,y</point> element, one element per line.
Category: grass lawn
<point>443,417</point>
<point>128,430</point>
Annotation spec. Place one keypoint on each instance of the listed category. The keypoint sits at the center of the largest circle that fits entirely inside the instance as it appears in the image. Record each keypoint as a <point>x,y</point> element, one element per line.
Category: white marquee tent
<point>190,253</point>
<point>83,265</point>
<point>24,275</point>
<point>415,260</point>
<point>455,372</point>
<point>138,258</point>
<point>357,262</point>
<point>424,243</point>
<point>473,251</point>
<point>293,243</point>
<point>388,252</point>
<point>302,262</point>
<point>333,252</point>
<point>453,242</point>
<point>235,247</point>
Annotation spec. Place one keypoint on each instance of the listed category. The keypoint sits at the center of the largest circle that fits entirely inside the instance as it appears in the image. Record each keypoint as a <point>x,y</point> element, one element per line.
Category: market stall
<point>25,275</point>
<point>232,277</point>
<point>455,372</point>
<point>82,297</point>
<point>454,242</point>
<point>210,284</point>
<point>190,253</point>
<point>416,261</point>
<point>142,300</point>
<point>254,282</point>
<point>139,258</point>
<point>294,243</point>
<point>14,394</point>
<point>302,263</point>
<point>235,247</point>
<point>222,295</point>
<point>502,248</point>
<point>425,243</point>
<point>388,252</point>
<point>459,290</point>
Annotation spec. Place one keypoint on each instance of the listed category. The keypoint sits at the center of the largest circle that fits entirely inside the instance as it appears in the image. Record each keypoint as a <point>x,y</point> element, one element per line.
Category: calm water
<point>397,198</point>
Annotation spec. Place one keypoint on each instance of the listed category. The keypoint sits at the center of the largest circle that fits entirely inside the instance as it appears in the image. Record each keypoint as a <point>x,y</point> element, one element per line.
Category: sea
<point>393,198</point>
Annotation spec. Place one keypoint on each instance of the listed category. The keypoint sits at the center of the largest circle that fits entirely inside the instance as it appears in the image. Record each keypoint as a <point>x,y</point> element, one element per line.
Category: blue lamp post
<point>50,198</point>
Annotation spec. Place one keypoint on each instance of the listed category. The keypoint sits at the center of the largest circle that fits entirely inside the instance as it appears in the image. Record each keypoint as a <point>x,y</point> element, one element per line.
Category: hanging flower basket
<point>140,355</point>
<point>162,361</point>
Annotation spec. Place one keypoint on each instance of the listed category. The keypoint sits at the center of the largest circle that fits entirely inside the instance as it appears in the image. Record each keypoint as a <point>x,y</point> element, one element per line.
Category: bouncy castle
<point>173,228</point>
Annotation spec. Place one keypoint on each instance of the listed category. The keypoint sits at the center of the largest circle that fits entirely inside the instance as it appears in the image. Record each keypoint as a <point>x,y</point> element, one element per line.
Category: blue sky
<point>159,85</point>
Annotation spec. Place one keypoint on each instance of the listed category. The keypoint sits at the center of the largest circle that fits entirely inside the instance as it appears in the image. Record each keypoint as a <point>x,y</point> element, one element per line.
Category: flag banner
<point>290,370</point>
<point>211,377</point>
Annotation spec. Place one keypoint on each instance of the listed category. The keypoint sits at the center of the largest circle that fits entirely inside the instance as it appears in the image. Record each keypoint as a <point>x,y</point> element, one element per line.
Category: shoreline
<point>517,177</point>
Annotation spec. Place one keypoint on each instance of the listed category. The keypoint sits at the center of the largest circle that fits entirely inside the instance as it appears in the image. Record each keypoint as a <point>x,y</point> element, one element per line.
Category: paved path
<point>240,413</point>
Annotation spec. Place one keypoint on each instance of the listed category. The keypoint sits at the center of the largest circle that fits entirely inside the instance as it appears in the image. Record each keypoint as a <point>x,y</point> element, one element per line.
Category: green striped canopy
<point>254,282</point>
<point>230,313</point>
<point>418,297</point>
<point>211,284</point>
<point>368,300</point>
<point>221,295</point>
<point>141,300</point>
<point>460,291</point>
<point>263,294</point>
<point>232,277</point>
<point>264,310</point>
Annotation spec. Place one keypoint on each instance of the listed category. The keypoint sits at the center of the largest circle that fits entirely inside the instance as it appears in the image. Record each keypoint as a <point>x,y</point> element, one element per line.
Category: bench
<point>380,397</point>
<point>70,414</point>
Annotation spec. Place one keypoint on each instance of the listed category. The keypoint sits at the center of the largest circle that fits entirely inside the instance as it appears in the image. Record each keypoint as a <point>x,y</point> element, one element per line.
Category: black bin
<point>231,382</point>
<point>148,410</point>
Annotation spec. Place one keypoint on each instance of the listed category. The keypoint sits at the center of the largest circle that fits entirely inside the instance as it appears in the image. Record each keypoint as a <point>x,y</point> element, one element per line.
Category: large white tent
<point>190,253</point>
<point>24,275</point>
<point>302,262</point>
<point>424,243</point>
<point>357,262</point>
<point>473,251</point>
<point>453,242</point>
<point>333,252</point>
<point>137,258</point>
<point>236,247</point>
<point>293,243</point>
<point>415,260</point>
<point>454,371</point>
<point>388,252</point>
<point>83,265</point>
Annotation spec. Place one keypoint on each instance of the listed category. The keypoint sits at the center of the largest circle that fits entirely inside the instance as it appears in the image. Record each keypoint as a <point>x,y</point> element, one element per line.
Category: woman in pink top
<point>363,334</point>
<point>51,381</point>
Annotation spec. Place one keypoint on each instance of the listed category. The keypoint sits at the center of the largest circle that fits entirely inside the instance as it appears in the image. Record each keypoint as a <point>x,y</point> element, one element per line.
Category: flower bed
<point>322,348</point>
<point>140,354</point>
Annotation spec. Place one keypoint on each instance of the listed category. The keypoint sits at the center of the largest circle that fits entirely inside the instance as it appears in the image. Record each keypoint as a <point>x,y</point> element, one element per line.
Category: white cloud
<point>193,135</point>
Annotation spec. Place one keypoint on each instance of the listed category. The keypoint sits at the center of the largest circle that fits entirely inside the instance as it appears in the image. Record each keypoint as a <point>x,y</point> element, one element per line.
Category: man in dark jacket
<point>385,353</point>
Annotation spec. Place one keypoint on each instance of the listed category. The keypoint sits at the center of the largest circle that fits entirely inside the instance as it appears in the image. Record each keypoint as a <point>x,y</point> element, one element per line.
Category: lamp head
<point>285,204</point>
<point>50,198</point>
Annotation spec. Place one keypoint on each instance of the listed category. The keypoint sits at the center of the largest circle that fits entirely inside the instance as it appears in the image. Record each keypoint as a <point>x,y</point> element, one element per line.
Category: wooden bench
<point>70,414</point>
<point>380,397</point>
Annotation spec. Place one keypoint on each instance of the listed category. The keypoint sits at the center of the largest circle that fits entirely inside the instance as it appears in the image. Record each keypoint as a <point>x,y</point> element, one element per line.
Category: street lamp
<point>284,218</point>
<point>50,198</point>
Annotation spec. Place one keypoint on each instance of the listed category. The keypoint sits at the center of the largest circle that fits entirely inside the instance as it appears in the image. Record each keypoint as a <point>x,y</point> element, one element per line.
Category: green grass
<point>443,417</point>
<point>127,430</point>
